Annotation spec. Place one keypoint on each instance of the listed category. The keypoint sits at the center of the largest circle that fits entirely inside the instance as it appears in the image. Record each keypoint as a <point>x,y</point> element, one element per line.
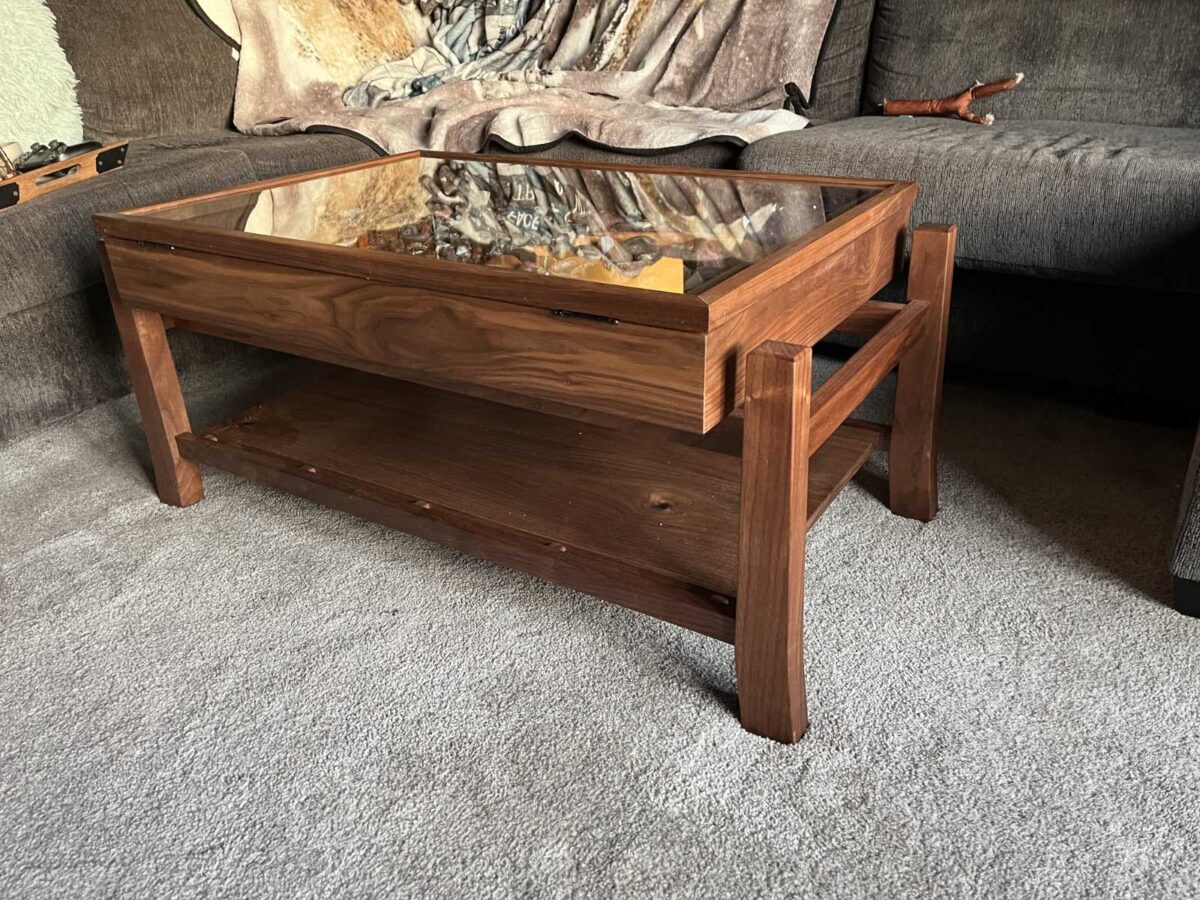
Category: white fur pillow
<point>37,85</point>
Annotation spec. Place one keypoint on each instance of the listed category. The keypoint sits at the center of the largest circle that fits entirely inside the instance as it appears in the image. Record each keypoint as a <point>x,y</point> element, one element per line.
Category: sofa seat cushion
<point>48,247</point>
<point>1090,201</point>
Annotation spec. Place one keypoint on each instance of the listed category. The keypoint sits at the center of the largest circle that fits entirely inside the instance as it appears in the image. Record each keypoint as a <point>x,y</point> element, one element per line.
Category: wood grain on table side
<point>778,271</point>
<point>802,312</point>
<point>629,305</point>
<point>725,437</point>
<point>643,373</point>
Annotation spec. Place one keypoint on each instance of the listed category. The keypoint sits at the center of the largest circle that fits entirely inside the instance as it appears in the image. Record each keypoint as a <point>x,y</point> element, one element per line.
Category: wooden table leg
<point>160,401</point>
<point>912,457</point>
<point>769,632</point>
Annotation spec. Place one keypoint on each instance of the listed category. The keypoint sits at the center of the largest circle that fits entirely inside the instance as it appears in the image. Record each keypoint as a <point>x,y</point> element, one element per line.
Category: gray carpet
<point>260,697</point>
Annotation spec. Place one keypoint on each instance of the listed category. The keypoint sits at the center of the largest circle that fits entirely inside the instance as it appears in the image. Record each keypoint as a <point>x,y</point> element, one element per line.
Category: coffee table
<point>598,374</point>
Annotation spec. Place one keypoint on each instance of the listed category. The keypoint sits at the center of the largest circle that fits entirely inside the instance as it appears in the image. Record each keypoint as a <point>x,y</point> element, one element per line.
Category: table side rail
<point>803,310</point>
<point>633,371</point>
<point>848,387</point>
<point>659,309</point>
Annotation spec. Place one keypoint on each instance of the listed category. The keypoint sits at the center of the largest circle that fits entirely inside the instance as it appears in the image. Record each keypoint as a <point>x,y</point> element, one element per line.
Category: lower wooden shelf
<point>641,516</point>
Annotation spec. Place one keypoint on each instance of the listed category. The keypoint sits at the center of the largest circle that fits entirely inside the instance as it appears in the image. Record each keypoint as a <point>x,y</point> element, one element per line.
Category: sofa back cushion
<point>1134,62</point>
<point>146,68</point>
<point>837,86</point>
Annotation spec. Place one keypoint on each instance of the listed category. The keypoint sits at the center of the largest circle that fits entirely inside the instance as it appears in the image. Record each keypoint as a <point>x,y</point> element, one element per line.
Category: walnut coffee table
<point>598,374</point>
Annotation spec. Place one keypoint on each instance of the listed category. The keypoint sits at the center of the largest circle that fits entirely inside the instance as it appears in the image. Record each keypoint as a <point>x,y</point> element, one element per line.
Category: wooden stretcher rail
<point>869,318</point>
<point>849,386</point>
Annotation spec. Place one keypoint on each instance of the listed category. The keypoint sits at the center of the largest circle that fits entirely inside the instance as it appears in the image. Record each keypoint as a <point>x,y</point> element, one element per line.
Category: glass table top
<point>668,232</point>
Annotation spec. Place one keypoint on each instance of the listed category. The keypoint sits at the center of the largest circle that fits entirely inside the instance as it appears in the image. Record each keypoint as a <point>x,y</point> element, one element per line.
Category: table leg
<point>160,401</point>
<point>912,456</point>
<point>769,630</point>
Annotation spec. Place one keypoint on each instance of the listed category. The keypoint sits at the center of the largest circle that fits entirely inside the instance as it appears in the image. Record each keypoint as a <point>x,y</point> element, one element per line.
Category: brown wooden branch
<point>957,105</point>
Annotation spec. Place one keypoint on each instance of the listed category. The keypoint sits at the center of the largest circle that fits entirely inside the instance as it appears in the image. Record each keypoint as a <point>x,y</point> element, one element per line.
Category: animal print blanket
<point>456,74</point>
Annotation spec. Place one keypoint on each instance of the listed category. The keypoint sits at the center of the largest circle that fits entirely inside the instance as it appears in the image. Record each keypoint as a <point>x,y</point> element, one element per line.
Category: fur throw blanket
<point>454,74</point>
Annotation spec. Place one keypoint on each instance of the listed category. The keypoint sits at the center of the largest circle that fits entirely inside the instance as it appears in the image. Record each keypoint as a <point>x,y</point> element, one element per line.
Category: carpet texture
<point>260,697</point>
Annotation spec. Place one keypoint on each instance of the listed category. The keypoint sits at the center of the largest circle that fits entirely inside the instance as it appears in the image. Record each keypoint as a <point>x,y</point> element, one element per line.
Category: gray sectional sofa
<point>1081,201</point>
<point>1079,211</point>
